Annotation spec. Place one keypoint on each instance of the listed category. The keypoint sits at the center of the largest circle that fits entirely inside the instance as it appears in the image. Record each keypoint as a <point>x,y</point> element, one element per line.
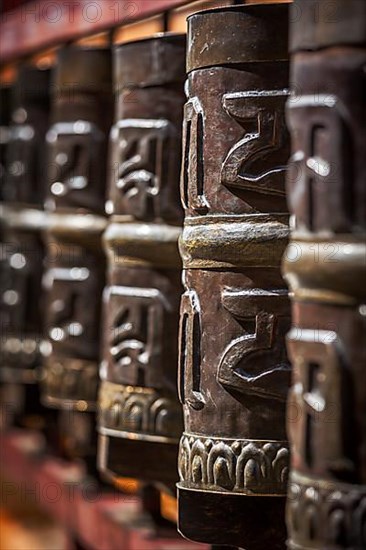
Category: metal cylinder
<point>139,413</point>
<point>26,164</point>
<point>22,222</point>
<point>5,110</point>
<point>326,270</point>
<point>234,373</point>
<point>82,105</point>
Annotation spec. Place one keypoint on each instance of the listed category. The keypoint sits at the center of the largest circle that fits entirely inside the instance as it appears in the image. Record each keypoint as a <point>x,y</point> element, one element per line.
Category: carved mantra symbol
<point>192,175</point>
<point>257,362</point>
<point>21,164</point>
<point>319,392</point>
<point>321,165</point>
<point>69,293</point>
<point>189,351</point>
<point>142,149</point>
<point>75,148</point>
<point>137,331</point>
<point>17,286</point>
<point>130,336</point>
<point>259,161</point>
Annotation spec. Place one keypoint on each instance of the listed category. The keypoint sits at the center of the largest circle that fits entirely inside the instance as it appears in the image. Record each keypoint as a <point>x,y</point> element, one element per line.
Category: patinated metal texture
<point>234,373</point>
<point>81,116</point>
<point>326,270</point>
<point>73,283</point>
<point>21,316</point>
<point>23,221</point>
<point>5,109</point>
<point>25,160</point>
<point>140,418</point>
<point>82,106</point>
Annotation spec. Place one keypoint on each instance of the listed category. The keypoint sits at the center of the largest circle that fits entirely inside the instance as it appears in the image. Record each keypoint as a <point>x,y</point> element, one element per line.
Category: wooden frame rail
<point>44,23</point>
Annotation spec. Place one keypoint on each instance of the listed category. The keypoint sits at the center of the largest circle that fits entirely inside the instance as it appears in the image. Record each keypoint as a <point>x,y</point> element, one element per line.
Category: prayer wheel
<point>235,313</point>
<point>326,270</point>
<point>77,140</point>
<point>22,222</point>
<point>140,418</point>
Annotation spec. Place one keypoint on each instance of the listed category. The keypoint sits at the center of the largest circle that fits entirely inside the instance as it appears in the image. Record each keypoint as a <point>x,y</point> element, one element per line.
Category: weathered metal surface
<point>234,373</point>
<point>21,294</point>
<point>139,414</point>
<point>5,97</point>
<point>81,116</point>
<point>26,162</point>
<point>22,222</point>
<point>75,275</point>
<point>5,109</point>
<point>73,284</point>
<point>326,270</point>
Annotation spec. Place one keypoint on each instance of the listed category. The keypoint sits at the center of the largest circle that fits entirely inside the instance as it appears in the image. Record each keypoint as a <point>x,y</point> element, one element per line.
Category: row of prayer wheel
<point>183,223</point>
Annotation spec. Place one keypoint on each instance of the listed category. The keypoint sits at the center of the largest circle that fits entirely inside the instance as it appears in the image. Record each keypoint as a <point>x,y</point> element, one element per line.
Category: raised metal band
<point>143,244</point>
<point>25,219</point>
<point>211,242</point>
<point>327,270</point>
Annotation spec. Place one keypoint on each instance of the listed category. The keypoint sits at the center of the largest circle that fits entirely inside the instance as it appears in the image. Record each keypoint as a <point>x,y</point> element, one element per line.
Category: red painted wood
<point>6,5</point>
<point>43,23</point>
<point>97,519</point>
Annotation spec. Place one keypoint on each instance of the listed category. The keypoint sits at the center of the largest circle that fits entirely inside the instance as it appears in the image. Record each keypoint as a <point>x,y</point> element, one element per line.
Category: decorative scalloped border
<point>239,466</point>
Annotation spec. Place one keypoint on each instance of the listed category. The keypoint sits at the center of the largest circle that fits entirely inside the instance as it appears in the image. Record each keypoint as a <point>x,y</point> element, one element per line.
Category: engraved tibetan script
<point>189,351</point>
<point>258,162</point>
<point>135,344</point>
<point>256,362</point>
<point>142,165</point>
<point>321,163</point>
<point>192,177</point>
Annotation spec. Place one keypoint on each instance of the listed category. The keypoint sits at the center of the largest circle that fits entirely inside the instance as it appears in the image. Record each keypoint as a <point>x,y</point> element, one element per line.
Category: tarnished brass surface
<point>26,162</point>
<point>22,222</point>
<point>234,373</point>
<point>139,414</point>
<point>81,120</point>
<point>325,266</point>
<point>75,266</point>
<point>21,292</point>
<point>5,96</point>
<point>73,284</point>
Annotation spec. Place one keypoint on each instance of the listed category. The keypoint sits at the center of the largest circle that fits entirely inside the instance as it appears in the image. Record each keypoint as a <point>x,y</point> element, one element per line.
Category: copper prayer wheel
<point>25,161</point>
<point>82,108</point>
<point>235,313</point>
<point>139,413</point>
<point>22,221</point>
<point>326,270</point>
<point>77,143</point>
<point>5,109</point>
<point>73,284</point>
